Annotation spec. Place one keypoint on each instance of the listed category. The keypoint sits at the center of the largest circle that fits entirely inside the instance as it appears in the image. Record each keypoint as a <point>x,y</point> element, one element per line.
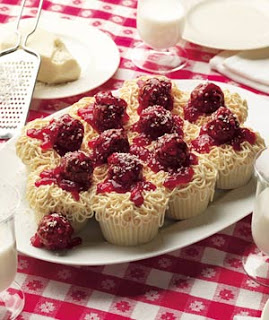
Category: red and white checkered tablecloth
<point>202,281</point>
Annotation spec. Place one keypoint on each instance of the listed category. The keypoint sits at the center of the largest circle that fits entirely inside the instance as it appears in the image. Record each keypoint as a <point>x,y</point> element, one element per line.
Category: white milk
<point>160,23</point>
<point>260,221</point>
<point>8,258</point>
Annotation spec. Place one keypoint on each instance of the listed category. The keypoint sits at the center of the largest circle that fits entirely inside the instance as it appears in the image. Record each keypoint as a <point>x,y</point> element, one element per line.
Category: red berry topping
<point>73,175</point>
<point>172,156</point>
<point>223,126</point>
<point>109,141</point>
<point>107,112</point>
<point>172,152</point>
<point>125,175</point>
<point>78,168</point>
<point>154,122</point>
<point>63,135</point>
<point>155,92</point>
<point>124,169</point>
<point>55,232</point>
<point>205,99</point>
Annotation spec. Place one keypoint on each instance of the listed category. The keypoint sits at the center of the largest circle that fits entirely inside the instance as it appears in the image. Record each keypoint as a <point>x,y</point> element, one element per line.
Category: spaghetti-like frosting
<point>204,178</point>
<point>51,198</point>
<point>236,104</point>
<point>29,150</point>
<point>226,159</point>
<point>119,208</point>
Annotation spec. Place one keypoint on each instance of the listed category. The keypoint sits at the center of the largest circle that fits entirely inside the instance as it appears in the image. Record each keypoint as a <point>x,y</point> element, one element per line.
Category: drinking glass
<point>11,296</point>
<point>256,258</point>
<point>160,25</point>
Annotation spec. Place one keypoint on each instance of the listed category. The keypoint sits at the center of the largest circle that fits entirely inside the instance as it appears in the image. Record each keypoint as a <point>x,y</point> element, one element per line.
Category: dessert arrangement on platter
<point>152,152</point>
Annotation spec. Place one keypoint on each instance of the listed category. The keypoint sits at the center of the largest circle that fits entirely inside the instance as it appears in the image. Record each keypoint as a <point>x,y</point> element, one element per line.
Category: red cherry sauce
<point>205,99</point>
<point>73,174</point>
<point>125,175</point>
<point>141,152</point>
<point>172,156</point>
<point>55,232</point>
<point>63,135</point>
<point>154,91</point>
<point>108,142</point>
<point>107,112</point>
<point>154,122</point>
<point>223,128</point>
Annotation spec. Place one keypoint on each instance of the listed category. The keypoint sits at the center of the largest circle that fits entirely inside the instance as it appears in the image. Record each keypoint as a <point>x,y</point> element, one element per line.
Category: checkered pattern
<point>203,281</point>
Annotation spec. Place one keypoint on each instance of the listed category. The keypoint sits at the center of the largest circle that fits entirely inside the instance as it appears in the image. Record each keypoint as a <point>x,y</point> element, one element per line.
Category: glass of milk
<point>160,25</point>
<point>256,258</point>
<point>11,296</point>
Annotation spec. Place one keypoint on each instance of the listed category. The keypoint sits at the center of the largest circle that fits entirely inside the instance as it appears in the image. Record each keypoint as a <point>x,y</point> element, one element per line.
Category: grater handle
<point>34,27</point>
<point>18,34</point>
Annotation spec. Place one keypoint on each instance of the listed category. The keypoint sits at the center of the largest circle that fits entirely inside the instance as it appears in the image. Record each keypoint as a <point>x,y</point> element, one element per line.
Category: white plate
<point>265,311</point>
<point>227,208</point>
<point>228,24</point>
<point>96,53</point>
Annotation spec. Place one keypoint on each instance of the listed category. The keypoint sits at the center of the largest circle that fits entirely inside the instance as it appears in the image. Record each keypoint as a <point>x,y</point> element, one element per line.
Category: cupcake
<point>129,208</point>
<point>230,147</point>
<point>66,188</point>
<point>190,179</point>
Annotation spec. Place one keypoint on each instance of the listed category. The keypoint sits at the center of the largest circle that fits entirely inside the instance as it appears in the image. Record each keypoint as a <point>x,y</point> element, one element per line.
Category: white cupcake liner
<point>237,177</point>
<point>184,208</point>
<point>129,235</point>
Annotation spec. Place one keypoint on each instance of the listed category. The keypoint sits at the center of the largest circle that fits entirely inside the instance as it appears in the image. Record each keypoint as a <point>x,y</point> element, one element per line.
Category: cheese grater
<point>19,67</point>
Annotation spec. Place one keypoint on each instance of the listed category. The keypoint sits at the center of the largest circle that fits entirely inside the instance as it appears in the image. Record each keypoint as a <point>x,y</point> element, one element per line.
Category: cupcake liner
<point>236,177</point>
<point>129,235</point>
<point>184,208</point>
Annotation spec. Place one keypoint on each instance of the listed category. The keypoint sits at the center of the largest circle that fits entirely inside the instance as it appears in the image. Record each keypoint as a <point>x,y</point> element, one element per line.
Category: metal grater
<point>19,68</point>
